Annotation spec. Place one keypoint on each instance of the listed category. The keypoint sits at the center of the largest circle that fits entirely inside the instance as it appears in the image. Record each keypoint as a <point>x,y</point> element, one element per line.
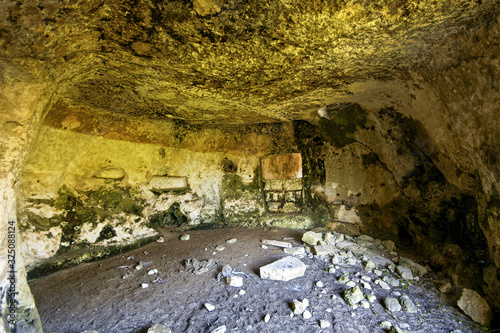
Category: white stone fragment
<point>307,315</point>
<point>319,284</point>
<point>324,323</point>
<point>160,239</point>
<point>235,281</point>
<point>185,237</point>
<point>299,307</point>
<point>389,245</point>
<point>159,328</point>
<point>295,251</point>
<point>285,269</point>
<point>220,248</point>
<point>312,238</point>
<point>276,243</point>
<point>267,318</point>
<point>153,271</point>
<point>209,307</point>
<point>475,307</point>
<point>264,247</point>
<point>231,241</point>
<point>405,272</point>
<point>324,250</point>
<point>144,285</point>
<point>242,292</point>
<point>220,329</point>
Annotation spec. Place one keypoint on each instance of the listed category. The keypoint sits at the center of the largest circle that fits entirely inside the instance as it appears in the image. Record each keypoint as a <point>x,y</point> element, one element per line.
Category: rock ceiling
<point>228,61</point>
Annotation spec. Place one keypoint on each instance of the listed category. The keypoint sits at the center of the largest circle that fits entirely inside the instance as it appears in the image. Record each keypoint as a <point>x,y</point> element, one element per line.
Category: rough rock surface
<point>204,89</point>
<point>285,269</point>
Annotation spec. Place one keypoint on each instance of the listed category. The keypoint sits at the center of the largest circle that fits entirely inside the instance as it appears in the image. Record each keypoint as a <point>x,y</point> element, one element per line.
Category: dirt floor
<point>108,295</point>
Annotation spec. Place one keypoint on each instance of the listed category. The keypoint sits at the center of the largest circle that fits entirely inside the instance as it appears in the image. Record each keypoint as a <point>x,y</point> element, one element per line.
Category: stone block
<point>353,296</point>
<point>392,304</point>
<point>312,238</point>
<point>293,184</point>
<point>166,183</point>
<point>324,250</point>
<point>273,185</point>
<point>405,272</point>
<point>284,269</point>
<point>473,305</point>
<point>286,166</point>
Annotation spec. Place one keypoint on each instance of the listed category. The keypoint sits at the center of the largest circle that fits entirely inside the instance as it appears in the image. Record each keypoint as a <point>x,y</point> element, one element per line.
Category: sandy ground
<point>107,296</point>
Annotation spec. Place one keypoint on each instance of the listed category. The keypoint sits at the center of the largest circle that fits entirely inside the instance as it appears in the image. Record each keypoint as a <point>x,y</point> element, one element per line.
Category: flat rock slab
<point>276,243</point>
<point>284,269</point>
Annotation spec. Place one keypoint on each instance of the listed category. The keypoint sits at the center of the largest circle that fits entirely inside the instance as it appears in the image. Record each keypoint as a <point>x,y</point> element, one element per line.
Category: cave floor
<point>107,296</point>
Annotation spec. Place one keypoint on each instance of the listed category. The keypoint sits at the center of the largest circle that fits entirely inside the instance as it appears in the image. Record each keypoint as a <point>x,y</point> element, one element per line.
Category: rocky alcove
<point>125,123</point>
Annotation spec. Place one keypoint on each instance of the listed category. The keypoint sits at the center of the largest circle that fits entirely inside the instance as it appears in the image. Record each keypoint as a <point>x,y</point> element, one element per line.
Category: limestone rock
<point>159,328</point>
<point>312,238</point>
<point>307,314</point>
<point>185,237</point>
<point>392,304</point>
<point>475,307</point>
<point>295,251</point>
<point>299,307</point>
<point>324,323</point>
<point>366,238</point>
<point>416,268</point>
<point>283,270</point>
<point>408,305</point>
<point>324,250</point>
<point>353,296</point>
<point>267,318</point>
<point>405,272</point>
<point>234,281</point>
<point>333,238</point>
<point>395,329</point>
<point>389,245</point>
<point>112,173</point>
<point>386,325</point>
<point>209,307</point>
<point>370,298</point>
<point>276,243</point>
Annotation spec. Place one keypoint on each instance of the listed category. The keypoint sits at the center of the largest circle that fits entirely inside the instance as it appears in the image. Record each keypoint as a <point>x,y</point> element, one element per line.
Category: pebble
<point>231,241</point>
<point>351,284</point>
<point>220,329</point>
<point>366,278</point>
<point>153,271</point>
<point>277,243</point>
<point>299,307</point>
<point>220,248</point>
<point>392,304</point>
<point>242,292</point>
<point>235,281</point>
<point>382,284</point>
<point>324,323</point>
<point>160,240</point>
<point>209,307</point>
<point>144,285</point>
<point>130,258</point>
<point>138,267</point>
<point>370,264</point>
<point>185,237</point>
<point>377,272</point>
<point>267,318</point>
<point>364,304</point>
<point>319,284</point>
<point>408,305</point>
<point>366,285</point>
<point>353,296</point>
<point>264,247</point>
<point>386,325</point>
<point>307,315</point>
<point>370,297</point>
<point>159,328</point>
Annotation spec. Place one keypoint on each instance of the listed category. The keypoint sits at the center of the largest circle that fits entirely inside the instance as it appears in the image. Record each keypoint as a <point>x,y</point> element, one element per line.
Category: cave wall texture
<point>119,116</point>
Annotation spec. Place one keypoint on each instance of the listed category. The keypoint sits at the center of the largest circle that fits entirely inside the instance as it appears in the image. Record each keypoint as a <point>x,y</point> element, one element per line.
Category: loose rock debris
<point>355,288</point>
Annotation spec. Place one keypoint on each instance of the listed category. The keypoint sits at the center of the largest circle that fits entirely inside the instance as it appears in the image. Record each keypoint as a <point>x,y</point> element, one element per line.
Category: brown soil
<point>96,296</point>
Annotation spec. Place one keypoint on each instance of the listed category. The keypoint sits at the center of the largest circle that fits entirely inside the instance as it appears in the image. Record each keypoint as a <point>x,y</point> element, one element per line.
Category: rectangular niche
<point>282,177</point>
